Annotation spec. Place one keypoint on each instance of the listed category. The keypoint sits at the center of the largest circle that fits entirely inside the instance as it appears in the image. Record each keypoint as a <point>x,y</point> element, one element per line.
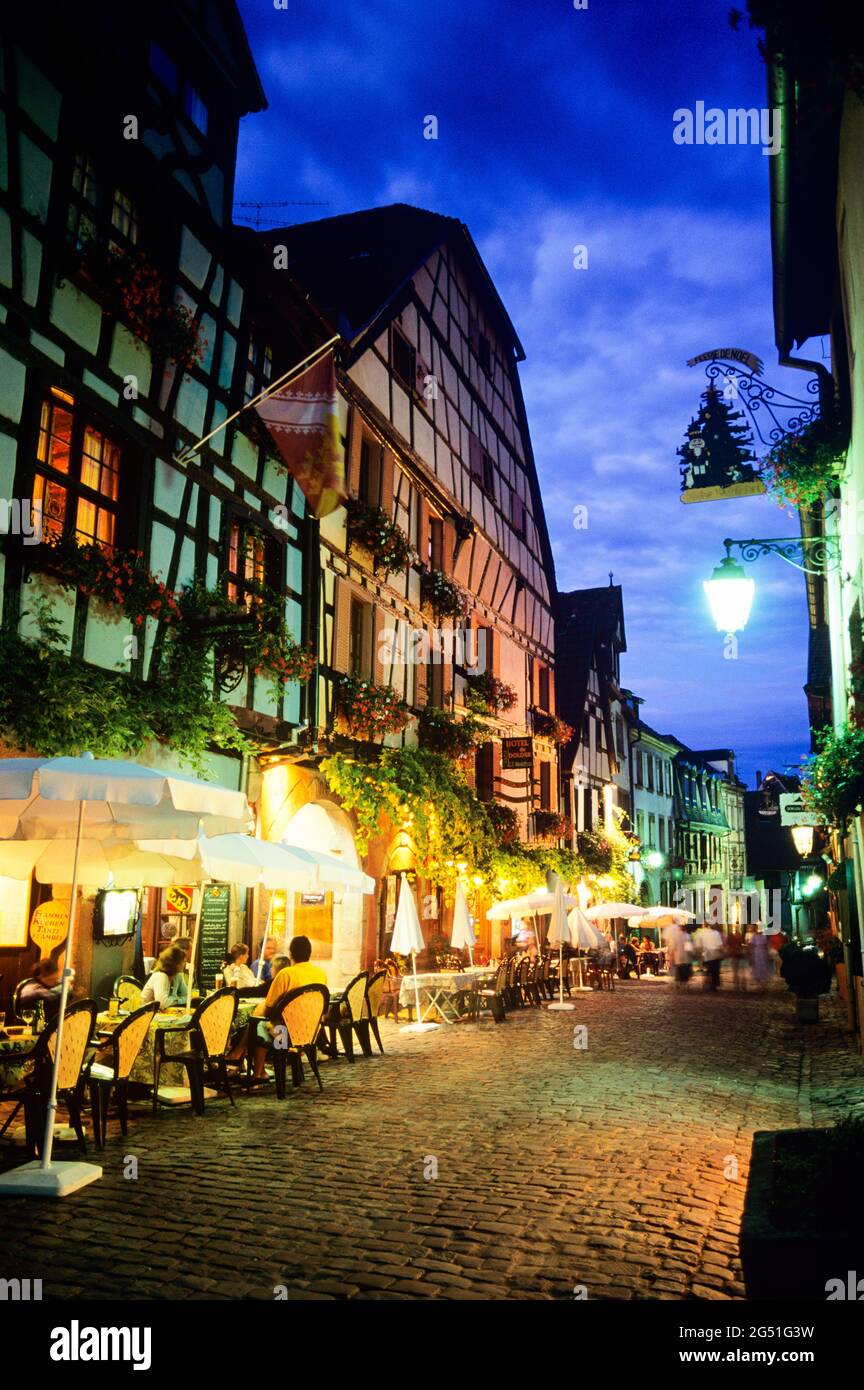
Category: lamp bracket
<point>821,553</point>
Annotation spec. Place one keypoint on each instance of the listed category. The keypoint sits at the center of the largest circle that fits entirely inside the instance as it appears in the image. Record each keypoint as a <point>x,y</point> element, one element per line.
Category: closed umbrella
<point>584,935</point>
<point>559,933</point>
<point>462,936</point>
<point>85,799</point>
<point>407,940</point>
<point>607,912</point>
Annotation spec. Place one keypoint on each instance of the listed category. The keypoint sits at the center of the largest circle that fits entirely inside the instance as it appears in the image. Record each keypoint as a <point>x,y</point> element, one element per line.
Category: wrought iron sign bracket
<point>821,553</point>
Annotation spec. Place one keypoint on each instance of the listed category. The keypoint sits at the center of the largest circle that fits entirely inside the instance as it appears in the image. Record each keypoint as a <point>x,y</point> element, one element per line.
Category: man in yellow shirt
<point>301,971</point>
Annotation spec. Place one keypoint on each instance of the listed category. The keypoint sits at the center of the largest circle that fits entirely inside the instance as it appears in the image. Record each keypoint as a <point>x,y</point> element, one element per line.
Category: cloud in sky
<point>555,130</point>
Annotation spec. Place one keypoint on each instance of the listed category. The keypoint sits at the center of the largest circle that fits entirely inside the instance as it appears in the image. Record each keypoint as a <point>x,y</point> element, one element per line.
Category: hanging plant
<point>553,824</point>
<point>254,637</point>
<point>443,595</point>
<point>118,578</point>
<point>422,794</point>
<point>442,732</point>
<point>833,783</point>
<point>805,466</point>
<point>132,289</point>
<point>486,694</point>
<point>505,823</point>
<point>366,710</point>
<point>372,529</point>
<point>550,726</point>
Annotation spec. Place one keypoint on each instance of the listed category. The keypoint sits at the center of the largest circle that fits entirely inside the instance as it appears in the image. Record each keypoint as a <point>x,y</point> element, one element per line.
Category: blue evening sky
<point>555,130</point>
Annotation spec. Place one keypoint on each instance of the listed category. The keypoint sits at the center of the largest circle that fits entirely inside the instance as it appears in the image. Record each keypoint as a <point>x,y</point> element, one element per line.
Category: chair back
<point>16,994</point>
<point>128,991</point>
<point>375,994</point>
<point>129,1039</point>
<point>501,978</point>
<point>512,966</point>
<point>78,1024</point>
<point>212,1021</point>
<point>354,995</point>
<point>523,972</point>
<point>301,1011</point>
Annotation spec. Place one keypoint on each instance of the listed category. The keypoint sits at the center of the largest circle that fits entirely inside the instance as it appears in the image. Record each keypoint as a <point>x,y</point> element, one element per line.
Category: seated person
<point>43,989</point>
<point>300,972</point>
<point>167,985</point>
<point>235,968</point>
<point>280,963</point>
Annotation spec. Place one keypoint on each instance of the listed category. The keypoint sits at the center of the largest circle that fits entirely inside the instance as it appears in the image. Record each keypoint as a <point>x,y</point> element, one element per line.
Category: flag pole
<point>187,454</point>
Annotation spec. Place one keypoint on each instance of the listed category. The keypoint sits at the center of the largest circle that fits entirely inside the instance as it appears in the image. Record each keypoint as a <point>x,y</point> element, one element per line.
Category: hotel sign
<point>516,753</point>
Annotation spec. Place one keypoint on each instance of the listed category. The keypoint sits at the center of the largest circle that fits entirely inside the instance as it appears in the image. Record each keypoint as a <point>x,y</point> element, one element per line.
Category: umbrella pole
<point>195,935</point>
<point>416,986</point>
<point>561,972</point>
<point>48,1141</point>
<point>266,934</point>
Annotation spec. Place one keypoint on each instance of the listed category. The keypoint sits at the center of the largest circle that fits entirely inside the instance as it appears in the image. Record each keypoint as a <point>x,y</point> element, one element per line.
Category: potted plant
<point>808,974</point>
<point>797,1240</point>
<point>442,732</point>
<point>487,694</point>
<point>443,595</point>
<point>550,726</point>
<point>805,465</point>
<point>833,783</point>
<point>369,711</point>
<point>372,530</point>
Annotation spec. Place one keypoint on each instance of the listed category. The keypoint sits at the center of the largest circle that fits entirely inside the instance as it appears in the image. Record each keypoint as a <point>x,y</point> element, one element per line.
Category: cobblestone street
<point>556,1166</point>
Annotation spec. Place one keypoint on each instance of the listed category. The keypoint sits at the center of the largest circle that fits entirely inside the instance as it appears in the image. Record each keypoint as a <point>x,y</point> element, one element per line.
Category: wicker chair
<point>302,1012</point>
<point>345,1016</point>
<point>78,1025</point>
<point>127,1041</point>
<point>128,990</point>
<point>209,1034</point>
<point>374,1004</point>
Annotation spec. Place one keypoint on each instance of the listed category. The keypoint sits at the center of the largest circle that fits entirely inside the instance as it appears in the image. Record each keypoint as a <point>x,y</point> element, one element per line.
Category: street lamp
<point>730,596</point>
<point>802,835</point>
<point>654,859</point>
<point>730,592</point>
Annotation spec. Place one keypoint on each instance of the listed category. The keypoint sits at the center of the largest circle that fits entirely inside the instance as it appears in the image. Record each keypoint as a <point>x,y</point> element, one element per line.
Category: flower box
<point>372,530</point>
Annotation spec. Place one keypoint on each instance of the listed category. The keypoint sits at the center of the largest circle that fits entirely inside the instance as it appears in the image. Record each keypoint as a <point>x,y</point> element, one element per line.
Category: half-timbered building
<point>437,445</point>
<point>134,322</point>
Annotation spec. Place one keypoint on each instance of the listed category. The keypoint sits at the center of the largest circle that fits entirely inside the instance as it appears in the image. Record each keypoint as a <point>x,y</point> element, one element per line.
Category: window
<point>518,515</point>
<point>194,108</point>
<point>99,211</point>
<point>403,359</point>
<point>484,354</point>
<point>259,368</point>
<point>619,736</point>
<point>359,639</point>
<point>436,543</point>
<point>649,770</point>
<point>661,833</point>
<point>81,218</point>
<point>253,561</point>
<point>639,767</point>
<point>124,216</point>
<point>543,687</point>
<point>77,478</point>
<point>369,484</point>
<point>640,826</point>
<point>545,786</point>
<point>488,476</point>
<point>651,829</point>
<point>163,68</point>
<point>484,772</point>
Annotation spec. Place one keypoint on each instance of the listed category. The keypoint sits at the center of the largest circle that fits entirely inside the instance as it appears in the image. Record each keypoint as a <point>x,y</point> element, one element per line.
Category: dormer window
<point>403,359</point>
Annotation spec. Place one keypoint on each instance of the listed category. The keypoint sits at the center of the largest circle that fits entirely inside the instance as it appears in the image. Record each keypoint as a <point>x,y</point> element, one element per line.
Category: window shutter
<point>342,632</point>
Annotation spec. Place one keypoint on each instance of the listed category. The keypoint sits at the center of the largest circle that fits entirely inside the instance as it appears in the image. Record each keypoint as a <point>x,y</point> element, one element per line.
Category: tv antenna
<point>257,221</point>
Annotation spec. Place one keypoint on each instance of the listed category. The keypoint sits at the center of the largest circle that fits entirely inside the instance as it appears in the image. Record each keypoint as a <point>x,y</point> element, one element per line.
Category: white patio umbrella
<point>407,940</point>
<point>535,904</point>
<point>559,933</point>
<point>586,936</point>
<point>85,799</point>
<point>661,916</point>
<point>462,936</point>
<point>118,865</point>
<point>606,912</point>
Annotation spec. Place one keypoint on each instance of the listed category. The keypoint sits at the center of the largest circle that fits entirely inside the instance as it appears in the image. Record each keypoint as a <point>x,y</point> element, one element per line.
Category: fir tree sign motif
<point>717,458</point>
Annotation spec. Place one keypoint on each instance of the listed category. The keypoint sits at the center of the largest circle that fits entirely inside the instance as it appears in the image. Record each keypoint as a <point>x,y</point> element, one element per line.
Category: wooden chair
<point>345,1017</point>
<point>78,1025</point>
<point>493,997</point>
<point>128,990</point>
<point>209,1034</point>
<point>374,1005</point>
<point>302,1012</point>
<point>127,1041</point>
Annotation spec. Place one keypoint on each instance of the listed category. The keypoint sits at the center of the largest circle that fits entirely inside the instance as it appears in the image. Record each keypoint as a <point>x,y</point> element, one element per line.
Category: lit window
<point>124,216</point>
<point>250,560</point>
<point>77,479</point>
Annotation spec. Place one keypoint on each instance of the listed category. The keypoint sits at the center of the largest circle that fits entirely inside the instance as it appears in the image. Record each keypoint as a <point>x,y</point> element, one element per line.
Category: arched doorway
<point>335,922</point>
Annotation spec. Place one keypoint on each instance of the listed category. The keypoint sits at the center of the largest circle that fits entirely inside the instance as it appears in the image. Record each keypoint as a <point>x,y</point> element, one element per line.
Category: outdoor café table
<point>172,1075</point>
<point>13,1072</point>
<point>438,990</point>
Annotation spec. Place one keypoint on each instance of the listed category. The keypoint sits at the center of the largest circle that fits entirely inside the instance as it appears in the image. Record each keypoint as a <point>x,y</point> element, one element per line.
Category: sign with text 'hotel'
<point>516,753</point>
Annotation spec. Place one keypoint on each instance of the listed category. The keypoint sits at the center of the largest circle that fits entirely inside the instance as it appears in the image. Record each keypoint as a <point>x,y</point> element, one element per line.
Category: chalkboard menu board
<point>213,936</point>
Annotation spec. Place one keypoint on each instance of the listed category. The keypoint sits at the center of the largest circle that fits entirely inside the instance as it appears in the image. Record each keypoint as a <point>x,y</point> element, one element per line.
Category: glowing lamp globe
<point>730,596</point>
<point>655,860</point>
<point>802,835</point>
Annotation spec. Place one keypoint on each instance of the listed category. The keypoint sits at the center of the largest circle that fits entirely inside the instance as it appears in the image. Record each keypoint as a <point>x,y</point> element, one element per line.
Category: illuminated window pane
<point>124,216</point>
<point>51,498</point>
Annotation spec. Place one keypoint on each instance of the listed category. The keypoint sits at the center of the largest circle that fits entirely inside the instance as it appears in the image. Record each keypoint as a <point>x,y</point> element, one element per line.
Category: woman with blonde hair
<point>166,985</point>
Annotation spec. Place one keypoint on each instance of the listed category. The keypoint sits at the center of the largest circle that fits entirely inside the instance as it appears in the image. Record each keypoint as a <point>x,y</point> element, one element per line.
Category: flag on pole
<point>302,418</point>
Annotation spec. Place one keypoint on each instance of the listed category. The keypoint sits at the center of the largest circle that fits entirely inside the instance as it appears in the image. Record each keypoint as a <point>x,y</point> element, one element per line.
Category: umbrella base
<point>57,1180</point>
<point>581,989</point>
<point>418,1027</point>
<point>559,1007</point>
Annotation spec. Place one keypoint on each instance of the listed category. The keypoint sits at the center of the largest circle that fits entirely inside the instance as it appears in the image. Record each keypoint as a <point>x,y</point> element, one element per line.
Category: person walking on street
<point>759,955</point>
<point>679,954</point>
<point>712,951</point>
<point>736,950</point>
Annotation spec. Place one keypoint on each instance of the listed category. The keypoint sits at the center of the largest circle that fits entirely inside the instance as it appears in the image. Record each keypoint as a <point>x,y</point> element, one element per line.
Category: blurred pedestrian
<point>759,956</point>
<point>736,951</point>
<point>679,954</point>
<point>712,951</point>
